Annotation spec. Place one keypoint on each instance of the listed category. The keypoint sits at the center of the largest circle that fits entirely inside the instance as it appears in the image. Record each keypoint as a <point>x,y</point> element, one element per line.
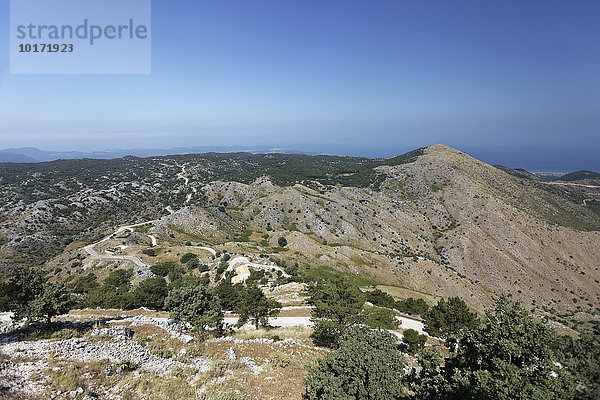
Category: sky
<point>356,77</point>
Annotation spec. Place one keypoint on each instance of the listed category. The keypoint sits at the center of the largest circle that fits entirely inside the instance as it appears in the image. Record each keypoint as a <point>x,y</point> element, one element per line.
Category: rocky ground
<point>152,358</point>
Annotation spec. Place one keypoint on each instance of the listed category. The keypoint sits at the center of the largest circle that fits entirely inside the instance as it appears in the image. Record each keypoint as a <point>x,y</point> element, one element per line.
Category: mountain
<point>32,154</point>
<point>5,156</point>
<point>580,176</point>
<point>435,220</point>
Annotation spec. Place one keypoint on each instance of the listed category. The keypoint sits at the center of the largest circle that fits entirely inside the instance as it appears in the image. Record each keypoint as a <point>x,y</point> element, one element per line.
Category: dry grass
<point>159,342</point>
<point>296,312</point>
<point>174,386</point>
<point>296,333</point>
<point>113,313</point>
<point>281,366</point>
<point>68,375</point>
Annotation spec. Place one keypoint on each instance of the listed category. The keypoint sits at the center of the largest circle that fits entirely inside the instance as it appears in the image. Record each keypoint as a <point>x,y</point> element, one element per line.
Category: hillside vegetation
<point>433,221</point>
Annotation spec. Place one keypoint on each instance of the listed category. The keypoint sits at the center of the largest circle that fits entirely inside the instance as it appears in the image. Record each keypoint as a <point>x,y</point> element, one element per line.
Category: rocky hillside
<point>435,220</point>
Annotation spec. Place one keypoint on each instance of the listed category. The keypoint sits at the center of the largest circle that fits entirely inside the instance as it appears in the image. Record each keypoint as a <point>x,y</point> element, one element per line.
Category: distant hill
<point>32,154</point>
<point>15,158</point>
<point>579,176</point>
<point>518,172</point>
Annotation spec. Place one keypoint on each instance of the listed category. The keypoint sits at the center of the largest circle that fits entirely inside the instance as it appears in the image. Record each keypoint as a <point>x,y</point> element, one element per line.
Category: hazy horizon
<point>535,159</point>
<point>329,75</point>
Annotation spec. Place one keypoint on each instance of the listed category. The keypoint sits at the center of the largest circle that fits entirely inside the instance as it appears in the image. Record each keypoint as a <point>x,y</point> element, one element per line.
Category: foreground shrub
<point>366,366</point>
<point>197,305</point>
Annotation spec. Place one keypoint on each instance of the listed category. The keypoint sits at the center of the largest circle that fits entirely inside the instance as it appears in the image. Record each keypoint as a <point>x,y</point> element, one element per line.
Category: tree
<point>337,305</point>
<point>23,286</point>
<point>195,304</point>
<point>509,358</point>
<point>382,318</point>
<point>413,341</point>
<point>380,298</point>
<point>5,296</point>
<point>30,295</point>
<point>412,306</point>
<point>151,293</point>
<point>450,319</point>
<point>228,294</point>
<point>85,283</point>
<point>187,257</point>
<point>119,279</point>
<point>254,306</point>
<point>52,301</point>
<point>367,365</point>
<point>282,242</point>
<point>582,358</point>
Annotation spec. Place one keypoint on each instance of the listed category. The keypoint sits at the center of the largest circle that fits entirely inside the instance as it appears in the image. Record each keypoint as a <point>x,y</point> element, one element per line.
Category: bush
<point>382,318</point>
<point>119,279</point>
<point>151,293</point>
<point>414,342</point>
<point>367,365</point>
<point>197,305</point>
<point>221,268</point>
<point>228,396</point>
<point>282,242</point>
<point>187,257</point>
<point>164,268</point>
<point>203,268</point>
<point>85,283</point>
<point>380,298</point>
<point>448,319</point>
<point>412,306</point>
<point>280,360</point>
<point>151,252</point>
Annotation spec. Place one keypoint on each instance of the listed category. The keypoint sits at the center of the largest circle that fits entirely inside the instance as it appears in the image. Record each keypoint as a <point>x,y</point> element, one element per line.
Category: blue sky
<point>324,75</point>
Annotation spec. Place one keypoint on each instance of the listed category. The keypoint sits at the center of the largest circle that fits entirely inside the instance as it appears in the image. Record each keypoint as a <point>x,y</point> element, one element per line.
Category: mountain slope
<point>434,220</point>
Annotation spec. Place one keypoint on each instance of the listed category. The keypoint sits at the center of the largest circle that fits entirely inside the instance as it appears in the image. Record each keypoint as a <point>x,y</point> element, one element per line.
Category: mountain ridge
<point>434,220</point>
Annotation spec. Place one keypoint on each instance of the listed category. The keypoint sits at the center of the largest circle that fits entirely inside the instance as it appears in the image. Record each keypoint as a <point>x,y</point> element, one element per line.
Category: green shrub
<point>412,306</point>
<point>188,257</point>
<point>119,279</point>
<point>195,304</point>
<point>280,360</point>
<point>228,396</point>
<point>367,365</point>
<point>164,268</point>
<point>382,318</point>
<point>414,342</point>
<point>152,252</point>
<point>380,298</point>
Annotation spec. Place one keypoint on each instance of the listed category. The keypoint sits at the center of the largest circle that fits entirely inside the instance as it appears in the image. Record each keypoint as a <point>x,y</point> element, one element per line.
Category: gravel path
<point>289,322</point>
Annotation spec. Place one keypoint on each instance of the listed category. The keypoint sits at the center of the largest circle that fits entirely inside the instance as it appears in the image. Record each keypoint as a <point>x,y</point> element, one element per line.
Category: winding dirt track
<point>93,254</point>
